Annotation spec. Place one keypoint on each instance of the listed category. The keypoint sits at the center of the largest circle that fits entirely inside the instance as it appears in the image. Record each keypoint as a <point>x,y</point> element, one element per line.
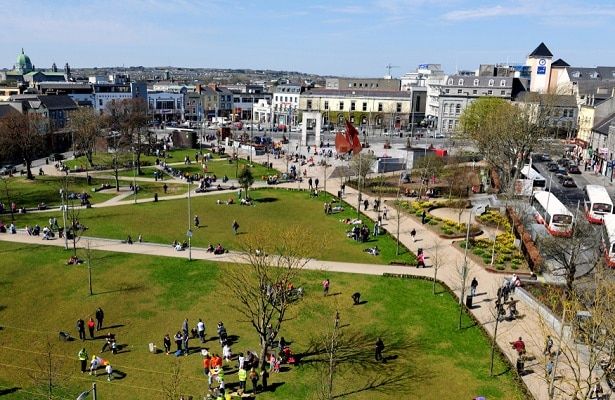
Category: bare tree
<point>50,372</point>
<point>362,164</point>
<point>261,289</point>
<point>437,262</point>
<point>86,125</point>
<point>568,255</point>
<point>22,135</point>
<point>173,386</point>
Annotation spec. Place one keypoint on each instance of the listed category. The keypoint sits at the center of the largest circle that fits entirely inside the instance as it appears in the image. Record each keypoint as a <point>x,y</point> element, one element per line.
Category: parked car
<point>8,169</point>
<point>573,169</point>
<point>552,167</point>
<point>57,157</point>
<point>568,182</point>
<point>438,136</point>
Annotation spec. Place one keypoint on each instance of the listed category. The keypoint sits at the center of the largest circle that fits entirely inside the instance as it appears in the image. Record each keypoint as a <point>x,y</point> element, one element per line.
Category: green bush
<point>432,222</point>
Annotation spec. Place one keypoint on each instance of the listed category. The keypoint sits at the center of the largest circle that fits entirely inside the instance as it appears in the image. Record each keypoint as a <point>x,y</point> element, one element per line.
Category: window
<point>475,82</point>
<point>491,82</point>
<point>364,106</point>
<point>309,104</point>
<point>276,98</point>
<point>489,91</point>
<point>326,104</point>
<point>503,83</point>
<point>379,107</point>
<point>417,104</point>
<point>100,102</point>
<point>398,108</point>
<point>341,105</point>
<point>353,106</point>
<point>503,92</point>
<point>285,98</point>
<point>460,82</point>
<point>450,81</point>
<point>459,91</point>
<point>458,109</point>
<point>474,91</point>
<point>446,90</point>
<point>350,85</point>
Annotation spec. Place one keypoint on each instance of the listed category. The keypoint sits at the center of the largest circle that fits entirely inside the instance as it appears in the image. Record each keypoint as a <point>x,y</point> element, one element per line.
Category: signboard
<point>423,66</point>
<point>541,70</point>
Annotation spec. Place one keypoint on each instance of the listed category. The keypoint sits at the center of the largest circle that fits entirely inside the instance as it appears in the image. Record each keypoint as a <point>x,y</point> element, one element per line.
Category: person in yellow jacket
<point>243,377</point>
<point>83,358</point>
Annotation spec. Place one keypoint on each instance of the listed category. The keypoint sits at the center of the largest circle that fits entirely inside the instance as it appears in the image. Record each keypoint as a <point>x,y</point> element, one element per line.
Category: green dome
<point>23,63</point>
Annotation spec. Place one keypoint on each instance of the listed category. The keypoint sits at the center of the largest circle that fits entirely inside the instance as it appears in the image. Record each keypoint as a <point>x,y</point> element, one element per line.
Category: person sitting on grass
<point>210,248</point>
<point>73,260</point>
<point>374,251</point>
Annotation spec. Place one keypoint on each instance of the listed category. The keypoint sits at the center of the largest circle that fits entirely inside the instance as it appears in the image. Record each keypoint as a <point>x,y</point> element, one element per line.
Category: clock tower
<point>540,62</point>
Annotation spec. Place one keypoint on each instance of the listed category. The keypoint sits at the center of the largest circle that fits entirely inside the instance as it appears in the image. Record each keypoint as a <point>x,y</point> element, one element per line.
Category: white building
<point>285,103</point>
<point>166,106</point>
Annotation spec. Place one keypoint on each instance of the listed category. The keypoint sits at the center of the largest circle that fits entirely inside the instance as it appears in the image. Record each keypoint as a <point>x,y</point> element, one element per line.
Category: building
<point>244,99</point>
<point>371,84</point>
<point>602,146</point>
<point>285,102</point>
<point>364,108</point>
<point>165,106</point>
<point>558,112</point>
<point>539,61</point>
<point>81,92</point>
<point>55,109</point>
<point>461,90</point>
<point>22,66</point>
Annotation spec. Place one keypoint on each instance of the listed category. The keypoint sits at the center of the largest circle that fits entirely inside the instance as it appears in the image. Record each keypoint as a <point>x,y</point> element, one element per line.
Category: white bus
<point>608,239</point>
<point>530,173</point>
<point>552,214</point>
<point>597,203</point>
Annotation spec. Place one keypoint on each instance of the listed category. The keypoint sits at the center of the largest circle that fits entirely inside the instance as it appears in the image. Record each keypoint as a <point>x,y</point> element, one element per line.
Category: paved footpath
<point>529,326</point>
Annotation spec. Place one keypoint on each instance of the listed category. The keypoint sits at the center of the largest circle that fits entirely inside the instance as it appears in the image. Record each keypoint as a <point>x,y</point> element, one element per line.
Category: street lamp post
<point>134,174</point>
<point>63,195</point>
<point>189,233</point>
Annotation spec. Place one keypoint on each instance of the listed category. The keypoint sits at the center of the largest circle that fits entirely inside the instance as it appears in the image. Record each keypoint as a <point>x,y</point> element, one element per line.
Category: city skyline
<point>345,39</point>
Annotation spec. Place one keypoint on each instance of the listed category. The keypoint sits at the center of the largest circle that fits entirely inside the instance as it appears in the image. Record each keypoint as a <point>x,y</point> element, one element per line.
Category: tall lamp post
<point>189,232</point>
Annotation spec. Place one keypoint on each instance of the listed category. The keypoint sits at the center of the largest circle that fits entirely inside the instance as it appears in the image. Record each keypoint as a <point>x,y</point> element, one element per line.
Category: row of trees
<point>23,136</point>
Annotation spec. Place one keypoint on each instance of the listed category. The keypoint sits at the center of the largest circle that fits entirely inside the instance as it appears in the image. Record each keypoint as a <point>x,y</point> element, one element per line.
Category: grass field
<point>145,297</point>
<point>224,167</point>
<point>29,193</point>
<point>106,159</point>
<point>166,221</point>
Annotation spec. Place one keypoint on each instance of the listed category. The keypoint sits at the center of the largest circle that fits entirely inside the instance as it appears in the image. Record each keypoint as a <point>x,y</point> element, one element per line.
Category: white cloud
<point>484,12</point>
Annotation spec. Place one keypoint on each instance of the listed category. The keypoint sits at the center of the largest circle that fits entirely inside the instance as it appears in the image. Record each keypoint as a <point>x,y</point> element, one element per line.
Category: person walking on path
<point>413,234</point>
<point>385,213</point>
<point>473,287</point>
<point>548,345</point>
<point>343,187</point>
<point>424,217</point>
<point>81,328</point>
<point>165,187</point>
<point>316,183</point>
<point>235,227</point>
<point>100,316</point>
<point>253,378</point>
<point>83,359</point>
<point>325,286</point>
<point>377,228</point>
<point>365,204</point>
<point>196,221</point>
<point>91,326</point>
<point>379,349</point>
<point>310,184</point>
<point>519,346</point>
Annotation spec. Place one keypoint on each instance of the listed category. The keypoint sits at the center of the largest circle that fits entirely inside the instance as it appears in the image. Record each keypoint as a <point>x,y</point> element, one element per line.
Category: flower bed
<point>506,256</point>
<point>446,228</point>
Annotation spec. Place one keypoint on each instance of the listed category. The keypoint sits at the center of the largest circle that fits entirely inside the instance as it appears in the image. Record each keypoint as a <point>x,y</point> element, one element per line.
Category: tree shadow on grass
<point>266,200</point>
<point>9,390</point>
<point>127,288</point>
<point>273,386</point>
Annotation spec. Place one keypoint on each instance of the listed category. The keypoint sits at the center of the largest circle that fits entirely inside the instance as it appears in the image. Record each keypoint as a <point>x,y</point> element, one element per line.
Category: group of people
<point>216,250</point>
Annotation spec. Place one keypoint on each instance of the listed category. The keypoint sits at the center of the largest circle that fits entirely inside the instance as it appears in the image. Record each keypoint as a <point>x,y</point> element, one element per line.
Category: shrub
<point>432,222</point>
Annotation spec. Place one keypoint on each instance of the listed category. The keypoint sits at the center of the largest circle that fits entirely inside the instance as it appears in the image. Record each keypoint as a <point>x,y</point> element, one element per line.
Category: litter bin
<point>469,301</point>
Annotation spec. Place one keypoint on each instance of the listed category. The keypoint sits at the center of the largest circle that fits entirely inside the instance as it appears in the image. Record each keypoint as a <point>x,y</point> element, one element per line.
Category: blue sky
<point>350,38</point>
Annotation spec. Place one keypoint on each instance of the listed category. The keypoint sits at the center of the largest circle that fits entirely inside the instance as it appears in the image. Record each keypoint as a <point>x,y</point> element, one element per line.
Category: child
<point>109,370</point>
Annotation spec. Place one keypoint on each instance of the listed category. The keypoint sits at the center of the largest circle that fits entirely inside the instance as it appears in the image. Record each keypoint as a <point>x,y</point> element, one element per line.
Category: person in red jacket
<point>91,326</point>
<point>519,345</point>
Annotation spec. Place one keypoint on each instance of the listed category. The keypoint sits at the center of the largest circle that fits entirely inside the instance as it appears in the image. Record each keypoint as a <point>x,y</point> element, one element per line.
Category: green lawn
<point>227,167</point>
<point>166,221</point>
<point>106,159</point>
<point>30,193</point>
<point>145,297</point>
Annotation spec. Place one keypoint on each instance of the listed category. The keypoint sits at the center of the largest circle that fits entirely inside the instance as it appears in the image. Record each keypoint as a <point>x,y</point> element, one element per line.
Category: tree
<point>504,133</point>
<point>246,179</point>
<point>430,167</point>
<point>86,125</point>
<point>50,372</point>
<point>362,164</point>
<point>585,353</point>
<point>260,288</point>
<point>437,262</point>
<point>569,255</point>
<point>22,135</point>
